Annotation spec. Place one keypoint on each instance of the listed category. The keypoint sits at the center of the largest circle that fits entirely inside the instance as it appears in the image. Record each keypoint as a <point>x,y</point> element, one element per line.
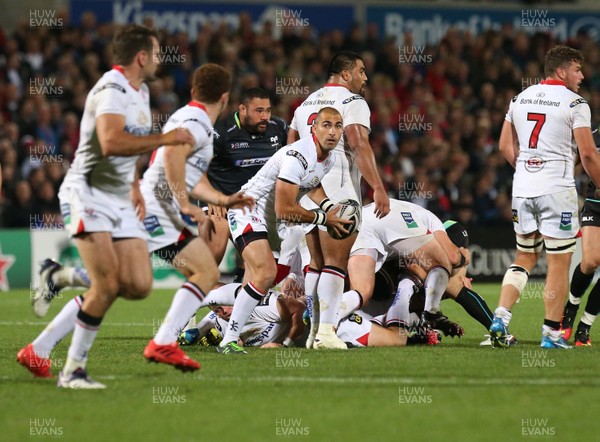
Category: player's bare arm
<point>293,136</point>
<point>459,257</point>
<point>588,153</point>
<point>509,143</point>
<point>137,198</point>
<point>204,191</point>
<point>357,137</point>
<point>291,309</point>
<point>114,141</point>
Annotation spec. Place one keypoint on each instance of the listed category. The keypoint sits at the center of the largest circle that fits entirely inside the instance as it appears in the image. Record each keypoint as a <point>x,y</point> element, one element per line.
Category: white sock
<point>555,334</point>
<point>587,318</point>
<point>310,287</point>
<point>330,290</point>
<point>247,299</point>
<point>61,326</point>
<point>504,314</point>
<point>185,303</point>
<point>436,283</point>
<point>86,329</point>
<point>574,300</point>
<point>71,277</point>
<point>224,295</point>
<point>399,312</point>
<point>351,301</point>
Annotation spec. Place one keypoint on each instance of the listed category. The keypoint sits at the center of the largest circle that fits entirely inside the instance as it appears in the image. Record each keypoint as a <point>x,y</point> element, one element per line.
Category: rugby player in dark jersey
<point>243,143</point>
<point>584,272</point>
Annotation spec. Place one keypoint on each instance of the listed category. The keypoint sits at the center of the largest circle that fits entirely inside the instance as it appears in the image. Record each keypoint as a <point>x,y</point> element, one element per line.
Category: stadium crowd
<point>436,118</point>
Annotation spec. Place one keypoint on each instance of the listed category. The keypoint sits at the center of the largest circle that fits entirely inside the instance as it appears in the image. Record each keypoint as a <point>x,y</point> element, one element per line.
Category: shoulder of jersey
<point>224,126</point>
<point>578,100</point>
<point>278,121</point>
<point>352,98</point>
<point>111,80</point>
<point>301,151</point>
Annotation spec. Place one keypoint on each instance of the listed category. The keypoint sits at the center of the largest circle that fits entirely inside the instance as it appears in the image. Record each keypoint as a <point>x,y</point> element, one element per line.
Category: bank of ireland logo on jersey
<point>409,220</point>
<point>565,221</point>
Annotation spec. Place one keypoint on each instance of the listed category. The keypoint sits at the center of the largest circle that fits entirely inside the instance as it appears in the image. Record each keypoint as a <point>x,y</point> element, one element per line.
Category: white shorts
<point>86,209</point>
<point>249,226</point>
<point>392,237</point>
<point>355,329</point>
<point>340,183</point>
<point>554,215</point>
<point>165,224</point>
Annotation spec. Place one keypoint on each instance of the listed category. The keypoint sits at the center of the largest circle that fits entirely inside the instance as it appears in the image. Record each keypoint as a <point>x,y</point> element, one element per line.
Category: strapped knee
<point>516,276</point>
<point>556,246</point>
<point>530,245</point>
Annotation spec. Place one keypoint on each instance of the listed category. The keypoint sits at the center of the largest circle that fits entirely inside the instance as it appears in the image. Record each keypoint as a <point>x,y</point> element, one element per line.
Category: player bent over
<point>292,172</point>
<point>415,235</point>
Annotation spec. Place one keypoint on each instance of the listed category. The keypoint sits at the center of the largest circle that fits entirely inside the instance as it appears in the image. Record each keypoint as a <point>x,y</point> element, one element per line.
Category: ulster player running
<point>174,172</point>
<point>292,172</point>
<point>544,126</point>
<point>95,201</point>
<point>329,257</point>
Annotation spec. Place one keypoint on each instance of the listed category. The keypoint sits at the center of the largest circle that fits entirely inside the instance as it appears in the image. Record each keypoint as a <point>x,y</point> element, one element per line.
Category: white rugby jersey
<point>194,118</point>
<point>264,325</point>
<point>544,116</point>
<point>405,220</point>
<point>296,163</point>
<point>353,108</point>
<point>112,94</point>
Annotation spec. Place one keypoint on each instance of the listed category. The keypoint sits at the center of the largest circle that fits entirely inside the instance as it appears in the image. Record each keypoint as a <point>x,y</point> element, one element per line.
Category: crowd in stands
<point>435,118</point>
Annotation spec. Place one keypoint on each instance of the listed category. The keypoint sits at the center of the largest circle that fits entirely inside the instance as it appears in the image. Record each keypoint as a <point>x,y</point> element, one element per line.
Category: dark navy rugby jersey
<point>238,155</point>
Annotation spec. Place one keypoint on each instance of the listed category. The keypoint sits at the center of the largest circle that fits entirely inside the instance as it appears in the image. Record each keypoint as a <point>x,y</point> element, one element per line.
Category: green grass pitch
<point>454,392</point>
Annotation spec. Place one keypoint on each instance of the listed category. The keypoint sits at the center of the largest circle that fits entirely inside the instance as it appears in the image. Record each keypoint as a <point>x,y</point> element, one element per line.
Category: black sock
<point>552,324</point>
<point>475,306</point>
<point>580,282</point>
<point>593,303</point>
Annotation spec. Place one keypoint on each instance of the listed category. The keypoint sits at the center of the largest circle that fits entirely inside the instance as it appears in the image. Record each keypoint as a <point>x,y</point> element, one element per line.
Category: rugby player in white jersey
<point>295,170</point>
<point>175,172</point>
<point>414,235</point>
<point>95,196</point>
<point>275,321</point>
<point>544,126</point>
<point>329,257</point>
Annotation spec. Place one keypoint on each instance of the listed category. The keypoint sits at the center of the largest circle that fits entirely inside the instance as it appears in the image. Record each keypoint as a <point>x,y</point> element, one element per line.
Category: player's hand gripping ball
<point>350,210</point>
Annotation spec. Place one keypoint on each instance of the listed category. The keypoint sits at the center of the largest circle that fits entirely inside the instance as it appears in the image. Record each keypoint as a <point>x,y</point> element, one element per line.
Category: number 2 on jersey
<point>539,119</point>
<point>311,118</point>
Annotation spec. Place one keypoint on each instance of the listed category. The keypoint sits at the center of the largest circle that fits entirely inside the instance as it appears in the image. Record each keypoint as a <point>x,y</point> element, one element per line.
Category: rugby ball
<point>350,210</point>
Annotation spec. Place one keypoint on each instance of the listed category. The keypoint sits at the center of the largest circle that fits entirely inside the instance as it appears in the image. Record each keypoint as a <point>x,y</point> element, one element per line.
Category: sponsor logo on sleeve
<point>299,156</point>
<point>111,86</point>
<point>352,98</point>
<point>576,102</point>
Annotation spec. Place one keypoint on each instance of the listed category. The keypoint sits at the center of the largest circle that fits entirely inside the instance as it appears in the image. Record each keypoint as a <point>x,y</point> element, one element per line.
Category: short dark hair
<point>329,109</point>
<point>560,57</point>
<point>210,82</point>
<point>249,94</point>
<point>343,61</point>
<point>129,40</point>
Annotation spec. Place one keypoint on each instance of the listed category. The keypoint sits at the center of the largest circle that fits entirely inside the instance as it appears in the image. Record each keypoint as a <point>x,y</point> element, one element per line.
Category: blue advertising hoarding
<point>182,16</point>
<point>429,25</point>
